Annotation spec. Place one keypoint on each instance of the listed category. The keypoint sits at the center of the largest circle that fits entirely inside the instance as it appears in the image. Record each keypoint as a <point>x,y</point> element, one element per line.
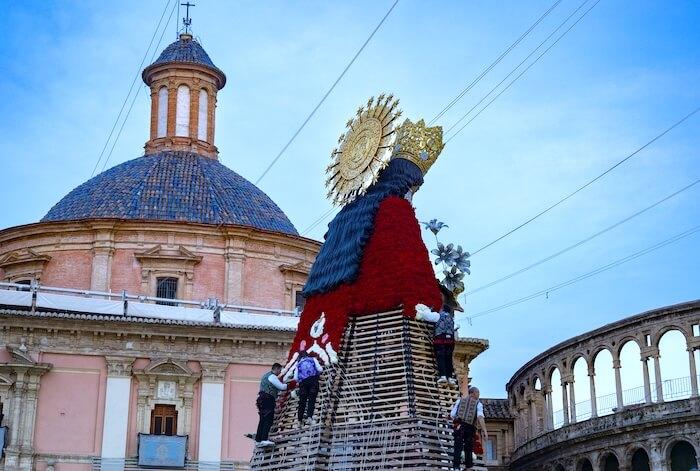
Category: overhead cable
<point>554,31</point>
<point>583,241</point>
<point>131,87</point>
<point>318,105</point>
<point>589,182</point>
<point>495,62</point>
<point>138,90</point>
<point>601,269</point>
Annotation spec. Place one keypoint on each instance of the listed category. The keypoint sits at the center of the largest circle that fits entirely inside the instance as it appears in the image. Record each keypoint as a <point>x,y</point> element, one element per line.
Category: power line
<point>591,273</point>
<point>566,20</point>
<point>461,94</point>
<point>583,241</point>
<point>318,221</point>
<point>495,62</point>
<point>131,87</point>
<point>590,182</point>
<point>138,90</point>
<point>347,67</point>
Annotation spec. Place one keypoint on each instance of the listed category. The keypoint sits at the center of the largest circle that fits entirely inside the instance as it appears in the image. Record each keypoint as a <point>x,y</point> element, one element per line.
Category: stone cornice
<point>118,366</point>
<point>124,340</point>
<point>53,228</point>
<point>632,323</point>
<point>609,429</point>
<point>22,256</point>
<point>158,253</point>
<point>466,349</point>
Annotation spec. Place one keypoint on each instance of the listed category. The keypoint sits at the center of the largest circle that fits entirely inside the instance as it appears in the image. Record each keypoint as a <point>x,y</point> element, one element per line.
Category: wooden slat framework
<point>378,408</point>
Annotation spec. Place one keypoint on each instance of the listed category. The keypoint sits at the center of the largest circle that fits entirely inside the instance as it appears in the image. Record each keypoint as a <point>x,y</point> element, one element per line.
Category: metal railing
<point>131,464</point>
<point>124,297</point>
<point>672,389</point>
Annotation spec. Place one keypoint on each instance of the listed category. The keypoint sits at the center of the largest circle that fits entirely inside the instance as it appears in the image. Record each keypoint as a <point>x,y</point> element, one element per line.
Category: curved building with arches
<point>621,397</point>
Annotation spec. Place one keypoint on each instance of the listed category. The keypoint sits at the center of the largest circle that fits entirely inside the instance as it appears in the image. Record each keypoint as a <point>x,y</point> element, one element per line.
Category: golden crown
<point>418,143</point>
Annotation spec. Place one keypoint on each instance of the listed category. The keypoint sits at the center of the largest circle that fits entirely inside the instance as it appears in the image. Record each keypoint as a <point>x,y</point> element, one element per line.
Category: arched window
<point>610,463</point>
<point>683,457</point>
<point>675,366</point>
<point>162,112</point>
<point>585,465</point>
<point>203,115</point>
<point>182,115</point>
<point>640,461</point>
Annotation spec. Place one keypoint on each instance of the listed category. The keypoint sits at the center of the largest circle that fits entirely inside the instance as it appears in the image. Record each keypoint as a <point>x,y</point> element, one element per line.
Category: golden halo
<point>364,150</point>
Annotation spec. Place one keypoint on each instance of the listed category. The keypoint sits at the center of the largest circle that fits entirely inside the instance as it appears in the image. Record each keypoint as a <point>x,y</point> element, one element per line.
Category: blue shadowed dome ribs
<point>185,50</point>
<point>172,186</point>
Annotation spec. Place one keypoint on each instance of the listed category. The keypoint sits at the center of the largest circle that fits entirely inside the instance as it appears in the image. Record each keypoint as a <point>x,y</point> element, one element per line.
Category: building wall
<point>70,410</point>
<point>236,265</point>
<point>240,414</point>
<point>79,355</point>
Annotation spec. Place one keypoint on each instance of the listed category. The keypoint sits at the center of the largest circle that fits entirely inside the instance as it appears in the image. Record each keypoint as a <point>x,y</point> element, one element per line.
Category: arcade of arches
<point>621,397</point>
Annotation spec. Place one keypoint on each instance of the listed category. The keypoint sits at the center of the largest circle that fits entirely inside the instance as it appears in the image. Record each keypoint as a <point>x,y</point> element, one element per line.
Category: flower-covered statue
<point>373,259</point>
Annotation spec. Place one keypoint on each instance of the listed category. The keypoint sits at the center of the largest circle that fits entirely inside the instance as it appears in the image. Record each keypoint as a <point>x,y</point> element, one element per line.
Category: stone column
<point>533,418</point>
<point>211,412</point>
<point>234,273</point>
<point>657,460</point>
<point>12,450</point>
<point>565,402</point>
<point>194,108</point>
<point>618,383</point>
<point>116,417</point>
<point>594,401</point>
<point>647,385</point>
<point>102,252</point>
<point>549,422</point>
<point>30,403</point>
<point>572,400</point>
<point>172,106</point>
<point>657,374</point>
<point>693,372</point>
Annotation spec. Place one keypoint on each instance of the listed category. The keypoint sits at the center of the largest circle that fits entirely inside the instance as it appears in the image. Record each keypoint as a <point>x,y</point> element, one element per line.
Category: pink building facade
<point>150,300</point>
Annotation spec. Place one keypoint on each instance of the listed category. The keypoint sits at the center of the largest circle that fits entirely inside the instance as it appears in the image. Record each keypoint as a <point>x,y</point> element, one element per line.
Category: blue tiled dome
<point>185,50</point>
<point>172,186</point>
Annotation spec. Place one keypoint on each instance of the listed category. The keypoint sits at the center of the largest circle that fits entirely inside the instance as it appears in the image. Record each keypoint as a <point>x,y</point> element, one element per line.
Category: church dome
<point>186,50</point>
<point>172,186</point>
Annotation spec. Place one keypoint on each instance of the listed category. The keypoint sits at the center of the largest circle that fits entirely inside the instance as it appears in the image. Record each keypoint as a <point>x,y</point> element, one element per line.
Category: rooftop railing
<point>35,296</point>
<point>673,389</point>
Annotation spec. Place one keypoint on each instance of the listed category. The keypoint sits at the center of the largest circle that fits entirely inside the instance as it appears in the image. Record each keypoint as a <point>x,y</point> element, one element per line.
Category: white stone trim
<point>116,417</point>
<point>211,421</point>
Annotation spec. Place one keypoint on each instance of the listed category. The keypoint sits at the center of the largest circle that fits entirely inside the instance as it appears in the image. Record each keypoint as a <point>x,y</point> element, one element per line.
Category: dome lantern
<point>184,83</point>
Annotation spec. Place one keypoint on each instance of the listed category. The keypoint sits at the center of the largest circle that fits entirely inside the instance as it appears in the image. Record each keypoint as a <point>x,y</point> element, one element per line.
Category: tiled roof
<point>496,409</point>
<point>187,50</point>
<point>246,321</point>
<point>172,186</point>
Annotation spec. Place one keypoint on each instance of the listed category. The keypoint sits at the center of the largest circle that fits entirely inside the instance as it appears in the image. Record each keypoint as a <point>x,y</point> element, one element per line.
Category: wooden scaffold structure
<point>378,408</point>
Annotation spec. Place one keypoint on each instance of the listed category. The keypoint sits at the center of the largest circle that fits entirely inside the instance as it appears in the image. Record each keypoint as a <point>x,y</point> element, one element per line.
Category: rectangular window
<point>696,330</point>
<point>164,420</point>
<point>166,288</point>
<point>491,450</point>
<point>299,301</point>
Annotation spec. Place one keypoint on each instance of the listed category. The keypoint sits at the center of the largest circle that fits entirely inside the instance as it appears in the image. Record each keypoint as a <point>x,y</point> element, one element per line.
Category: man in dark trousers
<point>307,376</point>
<point>444,334</point>
<point>468,416</point>
<point>270,386</point>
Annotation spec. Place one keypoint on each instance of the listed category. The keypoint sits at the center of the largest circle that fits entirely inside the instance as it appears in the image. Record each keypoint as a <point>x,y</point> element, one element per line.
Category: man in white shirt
<point>270,386</point>
<point>468,416</point>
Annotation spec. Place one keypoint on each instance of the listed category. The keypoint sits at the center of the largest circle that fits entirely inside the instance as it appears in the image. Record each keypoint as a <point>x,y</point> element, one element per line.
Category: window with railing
<point>166,288</point>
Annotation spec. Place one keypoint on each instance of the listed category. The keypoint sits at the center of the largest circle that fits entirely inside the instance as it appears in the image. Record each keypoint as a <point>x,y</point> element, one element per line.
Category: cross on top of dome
<point>187,21</point>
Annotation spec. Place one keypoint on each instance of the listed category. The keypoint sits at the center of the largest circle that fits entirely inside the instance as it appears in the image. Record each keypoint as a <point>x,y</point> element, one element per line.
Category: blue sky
<point>618,78</point>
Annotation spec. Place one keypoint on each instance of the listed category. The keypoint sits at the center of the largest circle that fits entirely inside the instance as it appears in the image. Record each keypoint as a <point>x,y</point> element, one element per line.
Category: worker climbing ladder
<point>378,408</point>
